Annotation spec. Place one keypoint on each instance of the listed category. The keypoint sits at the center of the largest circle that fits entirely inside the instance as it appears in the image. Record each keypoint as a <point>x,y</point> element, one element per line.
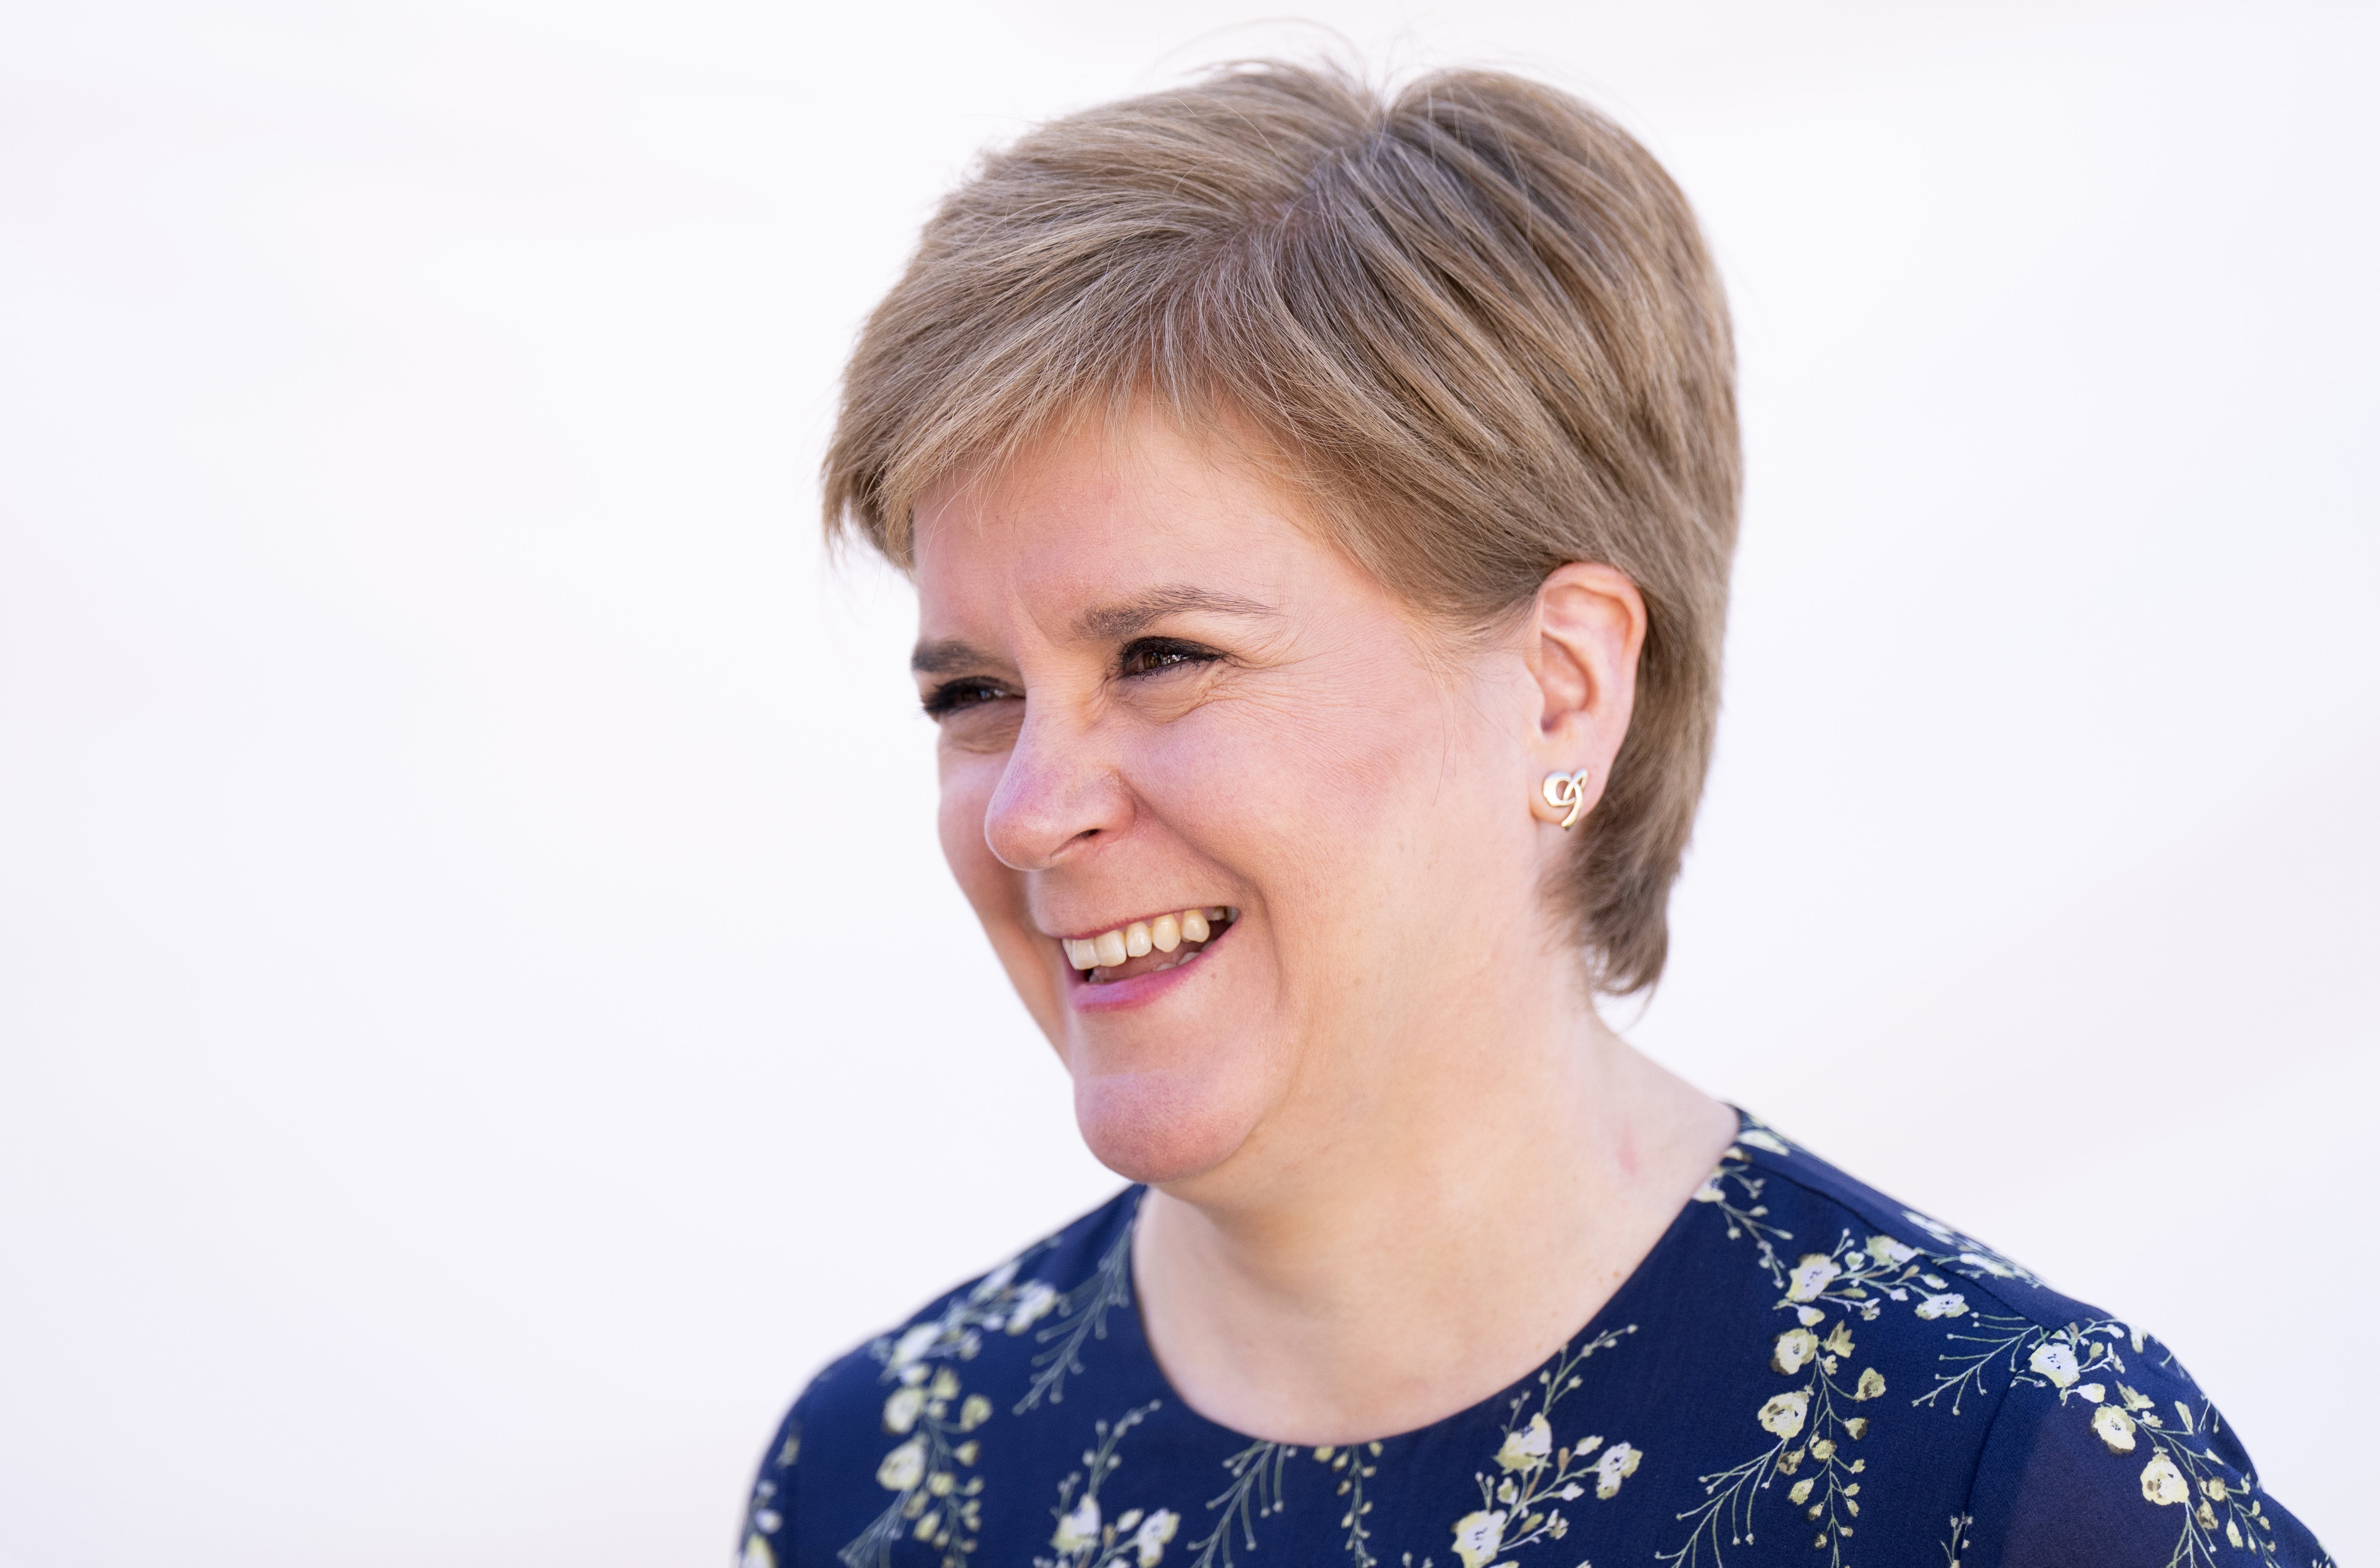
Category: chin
<point>1160,1126</point>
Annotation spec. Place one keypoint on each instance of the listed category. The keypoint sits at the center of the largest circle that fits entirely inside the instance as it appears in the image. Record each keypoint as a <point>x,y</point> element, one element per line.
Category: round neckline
<point>1674,1236</point>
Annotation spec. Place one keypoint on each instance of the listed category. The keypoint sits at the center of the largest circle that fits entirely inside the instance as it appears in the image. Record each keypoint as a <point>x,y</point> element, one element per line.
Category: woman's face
<point>1163,701</point>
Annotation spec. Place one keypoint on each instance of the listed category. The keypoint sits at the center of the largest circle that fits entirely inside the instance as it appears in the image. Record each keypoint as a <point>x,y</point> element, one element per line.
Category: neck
<point>1374,1263</point>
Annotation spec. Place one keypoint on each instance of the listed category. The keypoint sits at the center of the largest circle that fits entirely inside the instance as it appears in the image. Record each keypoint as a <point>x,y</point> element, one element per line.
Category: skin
<point>1396,1160</point>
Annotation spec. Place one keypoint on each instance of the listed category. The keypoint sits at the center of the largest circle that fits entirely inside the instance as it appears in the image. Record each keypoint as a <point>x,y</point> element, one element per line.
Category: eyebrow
<point>943,657</point>
<point>1102,622</point>
<point>1113,623</point>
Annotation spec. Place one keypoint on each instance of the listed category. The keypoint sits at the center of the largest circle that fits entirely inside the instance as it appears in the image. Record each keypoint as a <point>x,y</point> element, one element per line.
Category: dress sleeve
<point>2133,1466</point>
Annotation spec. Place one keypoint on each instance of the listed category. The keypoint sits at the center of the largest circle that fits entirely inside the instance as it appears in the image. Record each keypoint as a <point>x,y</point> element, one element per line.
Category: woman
<point>1320,511</point>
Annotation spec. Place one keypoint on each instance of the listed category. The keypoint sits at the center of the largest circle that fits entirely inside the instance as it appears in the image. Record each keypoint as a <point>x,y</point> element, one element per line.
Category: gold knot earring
<point>1568,790</point>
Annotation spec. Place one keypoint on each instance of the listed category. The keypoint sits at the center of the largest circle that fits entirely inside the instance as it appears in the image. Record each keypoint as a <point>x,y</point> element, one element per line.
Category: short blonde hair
<point>1476,321</point>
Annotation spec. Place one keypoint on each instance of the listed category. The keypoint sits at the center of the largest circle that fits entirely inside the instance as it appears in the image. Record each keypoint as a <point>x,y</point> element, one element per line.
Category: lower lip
<point>1141,989</point>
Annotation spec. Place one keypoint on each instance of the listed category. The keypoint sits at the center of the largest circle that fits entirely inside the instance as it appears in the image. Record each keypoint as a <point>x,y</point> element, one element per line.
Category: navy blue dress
<point>1801,1372</point>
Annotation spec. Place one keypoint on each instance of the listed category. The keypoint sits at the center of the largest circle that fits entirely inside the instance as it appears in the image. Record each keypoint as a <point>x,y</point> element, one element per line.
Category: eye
<point>1154,655</point>
<point>954,697</point>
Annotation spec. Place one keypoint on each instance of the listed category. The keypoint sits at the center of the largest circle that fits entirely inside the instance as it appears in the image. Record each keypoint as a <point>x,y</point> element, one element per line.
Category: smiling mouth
<point>1146,947</point>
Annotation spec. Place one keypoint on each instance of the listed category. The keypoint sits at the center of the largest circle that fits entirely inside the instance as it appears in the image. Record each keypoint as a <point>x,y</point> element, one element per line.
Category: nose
<point>1057,796</point>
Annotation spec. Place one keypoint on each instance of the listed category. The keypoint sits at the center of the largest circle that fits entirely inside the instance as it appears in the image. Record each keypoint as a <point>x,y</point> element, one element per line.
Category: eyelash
<point>951,697</point>
<point>1168,653</point>
<point>1145,656</point>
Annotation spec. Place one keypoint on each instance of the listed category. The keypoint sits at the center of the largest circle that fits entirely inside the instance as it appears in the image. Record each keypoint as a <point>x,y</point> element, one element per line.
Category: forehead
<point>1089,515</point>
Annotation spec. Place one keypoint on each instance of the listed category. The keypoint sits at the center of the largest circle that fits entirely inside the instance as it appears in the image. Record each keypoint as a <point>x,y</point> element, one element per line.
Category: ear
<point>1581,641</point>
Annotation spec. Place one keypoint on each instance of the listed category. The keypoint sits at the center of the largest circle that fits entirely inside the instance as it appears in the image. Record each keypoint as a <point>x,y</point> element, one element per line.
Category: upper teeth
<point>1164,933</point>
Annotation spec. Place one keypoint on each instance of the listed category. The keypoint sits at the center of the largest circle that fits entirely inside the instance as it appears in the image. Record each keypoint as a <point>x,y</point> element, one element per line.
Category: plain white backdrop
<point>481,1013</point>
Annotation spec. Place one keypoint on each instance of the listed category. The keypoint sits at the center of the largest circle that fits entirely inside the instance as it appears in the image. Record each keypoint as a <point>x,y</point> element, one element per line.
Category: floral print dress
<point>1801,1372</point>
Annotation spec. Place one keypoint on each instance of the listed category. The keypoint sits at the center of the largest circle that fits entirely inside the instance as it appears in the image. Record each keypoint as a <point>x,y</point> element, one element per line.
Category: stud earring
<point>1568,790</point>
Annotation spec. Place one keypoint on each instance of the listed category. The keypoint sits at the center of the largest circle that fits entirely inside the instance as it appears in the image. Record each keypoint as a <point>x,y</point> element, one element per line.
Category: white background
<point>481,1015</point>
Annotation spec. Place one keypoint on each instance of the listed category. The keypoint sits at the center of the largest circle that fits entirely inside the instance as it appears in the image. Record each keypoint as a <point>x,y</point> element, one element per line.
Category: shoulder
<point>2099,1446</point>
<point>2104,1446</point>
<point>1909,1255</point>
<point>900,1411</point>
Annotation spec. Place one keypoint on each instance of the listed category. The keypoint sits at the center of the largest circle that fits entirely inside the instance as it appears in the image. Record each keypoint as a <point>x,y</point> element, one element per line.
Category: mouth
<point>1147,947</point>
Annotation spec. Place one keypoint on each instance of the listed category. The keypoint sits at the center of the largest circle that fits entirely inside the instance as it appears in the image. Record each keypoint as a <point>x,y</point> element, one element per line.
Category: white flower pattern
<point>1617,1464</point>
<point>1479,1536</point>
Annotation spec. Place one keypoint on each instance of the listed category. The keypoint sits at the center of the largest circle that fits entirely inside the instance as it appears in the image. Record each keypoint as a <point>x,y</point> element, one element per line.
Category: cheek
<point>1315,789</point>
<point>993,891</point>
<point>966,785</point>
